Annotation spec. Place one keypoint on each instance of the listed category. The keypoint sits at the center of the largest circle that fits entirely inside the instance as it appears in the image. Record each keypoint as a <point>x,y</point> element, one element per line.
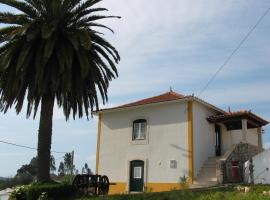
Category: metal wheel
<point>104,185</point>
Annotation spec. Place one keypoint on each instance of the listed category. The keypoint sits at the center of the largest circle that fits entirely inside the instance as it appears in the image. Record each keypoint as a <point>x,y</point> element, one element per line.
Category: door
<point>136,176</point>
<point>218,140</point>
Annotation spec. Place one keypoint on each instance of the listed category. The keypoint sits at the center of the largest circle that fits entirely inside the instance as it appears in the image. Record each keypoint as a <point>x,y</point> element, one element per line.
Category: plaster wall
<point>203,134</point>
<point>167,139</point>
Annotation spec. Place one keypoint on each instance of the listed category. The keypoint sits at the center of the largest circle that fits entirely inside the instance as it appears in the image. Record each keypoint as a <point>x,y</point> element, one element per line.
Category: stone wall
<point>241,153</point>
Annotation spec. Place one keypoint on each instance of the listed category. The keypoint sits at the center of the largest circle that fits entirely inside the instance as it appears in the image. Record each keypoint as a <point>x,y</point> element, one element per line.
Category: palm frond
<point>21,6</point>
<point>10,18</point>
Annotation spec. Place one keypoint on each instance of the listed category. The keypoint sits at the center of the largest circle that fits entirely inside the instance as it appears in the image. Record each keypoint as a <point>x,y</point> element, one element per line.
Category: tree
<point>53,51</point>
<point>31,168</point>
<point>86,169</point>
<point>52,164</point>
<point>61,169</point>
<point>68,164</point>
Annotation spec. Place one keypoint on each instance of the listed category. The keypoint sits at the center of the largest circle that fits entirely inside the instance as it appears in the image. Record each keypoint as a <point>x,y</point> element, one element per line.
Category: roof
<point>242,114</point>
<point>165,97</point>
<point>168,96</point>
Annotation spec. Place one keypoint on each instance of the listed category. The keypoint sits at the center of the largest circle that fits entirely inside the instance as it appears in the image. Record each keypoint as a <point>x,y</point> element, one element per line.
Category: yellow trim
<point>118,188</point>
<point>121,187</point>
<point>98,142</point>
<point>190,142</point>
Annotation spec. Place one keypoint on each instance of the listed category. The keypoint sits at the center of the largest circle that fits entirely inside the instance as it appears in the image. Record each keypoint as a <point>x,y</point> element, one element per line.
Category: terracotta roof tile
<point>237,114</point>
<point>168,96</point>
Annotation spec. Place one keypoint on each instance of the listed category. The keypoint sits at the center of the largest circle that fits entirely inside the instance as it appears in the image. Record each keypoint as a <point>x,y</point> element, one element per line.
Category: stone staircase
<point>207,176</point>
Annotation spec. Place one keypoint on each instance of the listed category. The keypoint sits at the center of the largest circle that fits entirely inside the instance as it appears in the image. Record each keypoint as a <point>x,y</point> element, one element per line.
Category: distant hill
<point>3,178</point>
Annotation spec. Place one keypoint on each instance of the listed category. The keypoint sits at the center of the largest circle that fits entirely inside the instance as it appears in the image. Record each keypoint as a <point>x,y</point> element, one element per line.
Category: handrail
<point>228,153</point>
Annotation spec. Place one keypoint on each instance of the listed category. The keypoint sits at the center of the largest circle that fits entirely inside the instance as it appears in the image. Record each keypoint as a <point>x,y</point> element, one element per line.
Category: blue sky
<point>180,43</point>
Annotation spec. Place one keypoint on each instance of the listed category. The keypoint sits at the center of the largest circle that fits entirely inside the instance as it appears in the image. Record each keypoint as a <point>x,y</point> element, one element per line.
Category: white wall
<point>261,162</point>
<point>203,136</point>
<point>235,137</point>
<point>252,136</point>
<point>167,139</point>
<point>226,139</point>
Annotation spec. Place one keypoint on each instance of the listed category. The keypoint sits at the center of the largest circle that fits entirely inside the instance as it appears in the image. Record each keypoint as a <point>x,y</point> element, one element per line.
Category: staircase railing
<point>238,153</point>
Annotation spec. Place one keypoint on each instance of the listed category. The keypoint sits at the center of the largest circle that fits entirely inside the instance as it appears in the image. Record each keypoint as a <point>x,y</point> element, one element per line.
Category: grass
<point>217,194</point>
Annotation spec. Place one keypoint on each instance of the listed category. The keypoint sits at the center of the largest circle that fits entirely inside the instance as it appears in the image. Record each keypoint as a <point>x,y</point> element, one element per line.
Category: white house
<point>151,143</point>
<point>261,167</point>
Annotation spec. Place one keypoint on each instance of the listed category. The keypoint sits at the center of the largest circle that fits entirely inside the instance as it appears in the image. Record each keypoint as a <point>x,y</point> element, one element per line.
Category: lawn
<point>256,193</point>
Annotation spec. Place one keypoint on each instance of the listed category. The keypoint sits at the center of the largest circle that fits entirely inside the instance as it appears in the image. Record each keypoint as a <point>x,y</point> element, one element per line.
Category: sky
<point>178,44</point>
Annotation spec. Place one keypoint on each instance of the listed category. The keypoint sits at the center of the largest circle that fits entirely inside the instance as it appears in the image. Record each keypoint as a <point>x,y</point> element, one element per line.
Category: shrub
<point>19,193</point>
<point>43,191</point>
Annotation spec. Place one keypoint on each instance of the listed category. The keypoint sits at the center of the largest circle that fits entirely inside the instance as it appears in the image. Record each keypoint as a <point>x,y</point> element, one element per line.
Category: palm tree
<point>53,51</point>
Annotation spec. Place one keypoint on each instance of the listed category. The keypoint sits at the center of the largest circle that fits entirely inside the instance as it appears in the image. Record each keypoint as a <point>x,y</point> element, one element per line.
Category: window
<point>173,164</point>
<point>137,173</point>
<point>139,129</point>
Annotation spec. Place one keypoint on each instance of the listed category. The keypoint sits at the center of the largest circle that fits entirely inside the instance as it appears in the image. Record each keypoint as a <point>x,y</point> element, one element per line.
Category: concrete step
<point>204,177</point>
<point>204,185</point>
<point>211,162</point>
<point>208,170</point>
<point>207,174</point>
<point>207,167</point>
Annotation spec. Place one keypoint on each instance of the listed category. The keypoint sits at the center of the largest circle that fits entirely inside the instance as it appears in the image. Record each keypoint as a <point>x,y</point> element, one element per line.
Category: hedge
<point>53,190</point>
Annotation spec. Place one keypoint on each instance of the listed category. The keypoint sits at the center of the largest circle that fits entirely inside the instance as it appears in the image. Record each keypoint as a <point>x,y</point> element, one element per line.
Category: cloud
<point>181,44</point>
<point>239,94</point>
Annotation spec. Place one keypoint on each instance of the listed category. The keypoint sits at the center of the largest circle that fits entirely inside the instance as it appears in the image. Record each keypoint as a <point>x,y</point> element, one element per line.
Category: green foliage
<point>52,164</point>
<point>183,181</point>
<point>27,173</point>
<point>61,169</point>
<point>68,165</point>
<point>43,192</point>
<point>68,178</point>
<point>86,169</point>
<point>52,48</point>
<point>214,194</point>
<point>51,52</point>
<point>17,180</point>
<point>43,196</point>
<point>259,188</point>
<point>19,193</point>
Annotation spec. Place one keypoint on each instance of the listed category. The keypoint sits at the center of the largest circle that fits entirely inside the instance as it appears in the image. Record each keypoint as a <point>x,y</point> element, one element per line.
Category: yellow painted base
<point>121,188</point>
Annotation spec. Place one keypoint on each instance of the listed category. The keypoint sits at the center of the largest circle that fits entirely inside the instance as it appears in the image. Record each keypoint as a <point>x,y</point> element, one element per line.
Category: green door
<point>136,176</point>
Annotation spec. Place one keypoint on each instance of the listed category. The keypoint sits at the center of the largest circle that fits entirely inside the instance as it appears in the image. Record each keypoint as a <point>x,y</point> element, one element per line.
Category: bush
<point>19,193</point>
<point>38,190</point>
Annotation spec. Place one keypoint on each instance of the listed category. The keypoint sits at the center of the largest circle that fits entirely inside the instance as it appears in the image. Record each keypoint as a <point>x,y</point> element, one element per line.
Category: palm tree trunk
<point>45,138</point>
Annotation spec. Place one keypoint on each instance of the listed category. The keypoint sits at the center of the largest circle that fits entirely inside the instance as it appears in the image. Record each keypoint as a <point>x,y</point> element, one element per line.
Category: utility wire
<point>234,51</point>
<point>27,147</point>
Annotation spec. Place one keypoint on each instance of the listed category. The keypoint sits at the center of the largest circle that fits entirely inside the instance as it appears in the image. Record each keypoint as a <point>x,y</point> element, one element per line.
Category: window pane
<point>143,130</point>
<point>136,131</point>
<point>137,172</point>
<point>139,129</point>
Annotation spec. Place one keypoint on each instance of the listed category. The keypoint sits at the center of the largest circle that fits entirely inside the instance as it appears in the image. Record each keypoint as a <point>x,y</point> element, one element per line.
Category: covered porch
<point>237,127</point>
<point>238,137</point>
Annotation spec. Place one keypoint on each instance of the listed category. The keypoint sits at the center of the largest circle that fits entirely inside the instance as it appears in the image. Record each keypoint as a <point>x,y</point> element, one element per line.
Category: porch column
<point>259,131</point>
<point>244,130</point>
